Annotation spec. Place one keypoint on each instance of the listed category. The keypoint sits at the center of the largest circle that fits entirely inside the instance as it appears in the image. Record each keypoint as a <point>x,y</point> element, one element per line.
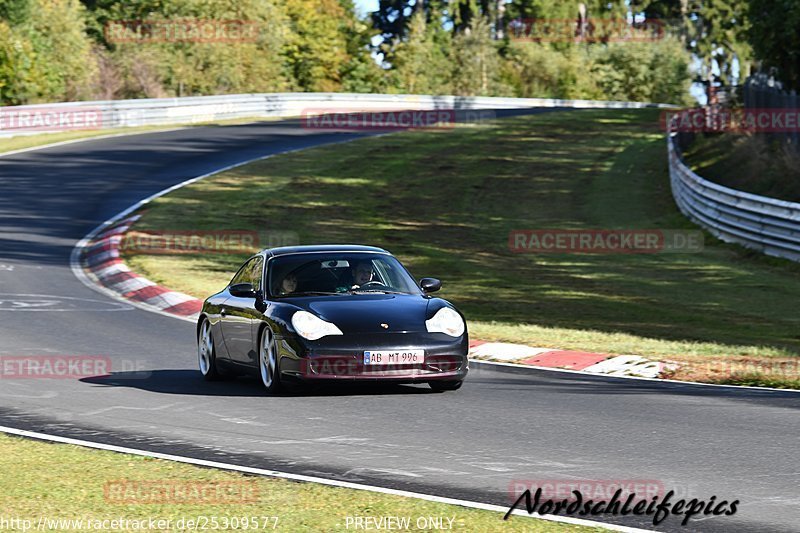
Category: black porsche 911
<point>332,312</point>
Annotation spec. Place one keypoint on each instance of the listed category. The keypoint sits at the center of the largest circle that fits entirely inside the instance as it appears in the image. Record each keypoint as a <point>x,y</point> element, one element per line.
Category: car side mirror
<point>242,290</point>
<point>430,284</point>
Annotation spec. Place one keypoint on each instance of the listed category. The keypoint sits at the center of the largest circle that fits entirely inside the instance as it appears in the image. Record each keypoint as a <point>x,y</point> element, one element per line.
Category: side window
<point>255,272</point>
<point>249,273</point>
<point>241,275</point>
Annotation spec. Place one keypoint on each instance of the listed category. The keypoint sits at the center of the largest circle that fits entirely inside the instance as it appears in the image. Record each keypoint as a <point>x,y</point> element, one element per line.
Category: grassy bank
<point>445,201</point>
<point>56,481</point>
<point>747,162</point>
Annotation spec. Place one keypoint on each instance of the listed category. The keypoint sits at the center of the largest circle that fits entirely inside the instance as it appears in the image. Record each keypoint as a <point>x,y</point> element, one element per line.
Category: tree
<point>463,13</point>
<point>715,31</point>
<point>643,72</point>
<point>316,49</point>
<point>20,79</point>
<point>720,34</point>
<point>392,17</point>
<point>558,11</point>
<point>775,37</point>
<point>182,68</point>
<point>360,74</point>
<point>476,62</point>
<point>15,12</point>
<point>421,64</point>
<point>57,31</point>
<point>537,70</point>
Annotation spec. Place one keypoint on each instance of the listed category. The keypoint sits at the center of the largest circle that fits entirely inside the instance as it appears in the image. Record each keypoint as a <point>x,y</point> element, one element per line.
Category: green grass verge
<point>59,481</point>
<point>445,201</point>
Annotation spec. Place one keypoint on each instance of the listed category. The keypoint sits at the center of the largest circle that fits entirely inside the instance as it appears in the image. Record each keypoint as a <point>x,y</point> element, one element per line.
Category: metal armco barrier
<point>765,224</point>
<point>44,118</point>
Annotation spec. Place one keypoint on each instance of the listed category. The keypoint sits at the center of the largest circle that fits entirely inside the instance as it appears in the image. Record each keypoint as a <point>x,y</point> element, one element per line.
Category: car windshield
<point>340,273</point>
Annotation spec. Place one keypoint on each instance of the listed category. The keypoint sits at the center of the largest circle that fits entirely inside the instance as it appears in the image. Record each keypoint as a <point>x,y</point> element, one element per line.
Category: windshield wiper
<point>309,293</point>
<point>384,291</point>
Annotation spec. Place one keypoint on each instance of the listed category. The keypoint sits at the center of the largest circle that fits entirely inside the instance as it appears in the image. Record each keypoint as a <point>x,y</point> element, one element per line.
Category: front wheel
<point>442,386</point>
<point>206,353</point>
<point>268,361</point>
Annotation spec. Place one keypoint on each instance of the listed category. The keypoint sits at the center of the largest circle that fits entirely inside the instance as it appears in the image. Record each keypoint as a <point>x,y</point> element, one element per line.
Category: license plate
<point>401,357</point>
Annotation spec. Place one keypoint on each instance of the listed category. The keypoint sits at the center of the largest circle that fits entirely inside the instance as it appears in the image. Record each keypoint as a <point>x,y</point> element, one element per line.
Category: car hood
<point>366,313</point>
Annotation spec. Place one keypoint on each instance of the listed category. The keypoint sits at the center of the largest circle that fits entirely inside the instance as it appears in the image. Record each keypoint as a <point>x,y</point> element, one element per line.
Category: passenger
<point>289,284</point>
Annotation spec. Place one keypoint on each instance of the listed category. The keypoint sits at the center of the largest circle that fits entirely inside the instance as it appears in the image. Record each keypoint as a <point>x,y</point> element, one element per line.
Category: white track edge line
<point>311,479</point>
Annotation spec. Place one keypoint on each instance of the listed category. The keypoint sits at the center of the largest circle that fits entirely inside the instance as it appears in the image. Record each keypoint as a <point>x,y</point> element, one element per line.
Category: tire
<point>207,353</point>
<point>268,364</point>
<point>442,386</point>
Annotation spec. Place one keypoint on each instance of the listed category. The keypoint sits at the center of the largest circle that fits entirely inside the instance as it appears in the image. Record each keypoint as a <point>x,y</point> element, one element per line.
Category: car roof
<point>316,248</point>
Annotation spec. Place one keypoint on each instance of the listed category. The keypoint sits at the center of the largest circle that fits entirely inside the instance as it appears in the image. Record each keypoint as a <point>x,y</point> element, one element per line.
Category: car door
<point>239,314</point>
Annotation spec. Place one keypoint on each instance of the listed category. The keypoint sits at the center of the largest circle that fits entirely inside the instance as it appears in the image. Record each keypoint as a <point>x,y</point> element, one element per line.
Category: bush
<point>644,72</point>
<point>62,49</point>
<point>154,69</point>
<point>19,77</point>
<point>48,56</point>
<point>536,70</point>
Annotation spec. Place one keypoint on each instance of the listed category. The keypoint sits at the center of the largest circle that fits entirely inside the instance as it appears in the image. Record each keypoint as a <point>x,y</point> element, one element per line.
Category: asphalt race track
<point>502,426</point>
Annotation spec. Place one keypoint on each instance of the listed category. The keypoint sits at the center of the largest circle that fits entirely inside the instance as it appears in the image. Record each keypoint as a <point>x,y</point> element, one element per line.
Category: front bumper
<point>341,358</point>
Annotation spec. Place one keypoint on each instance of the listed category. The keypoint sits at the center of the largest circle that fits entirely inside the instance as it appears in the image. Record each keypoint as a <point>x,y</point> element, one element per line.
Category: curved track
<point>504,425</point>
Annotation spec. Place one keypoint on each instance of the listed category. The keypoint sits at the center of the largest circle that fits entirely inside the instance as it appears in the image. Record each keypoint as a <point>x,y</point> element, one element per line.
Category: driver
<point>362,273</point>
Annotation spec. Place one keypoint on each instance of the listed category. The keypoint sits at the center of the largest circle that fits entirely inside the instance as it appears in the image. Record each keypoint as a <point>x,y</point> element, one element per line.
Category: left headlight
<point>446,321</point>
<point>312,327</point>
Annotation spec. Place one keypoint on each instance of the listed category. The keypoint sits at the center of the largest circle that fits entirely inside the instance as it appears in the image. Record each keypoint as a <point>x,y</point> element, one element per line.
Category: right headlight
<point>446,321</point>
<point>312,327</point>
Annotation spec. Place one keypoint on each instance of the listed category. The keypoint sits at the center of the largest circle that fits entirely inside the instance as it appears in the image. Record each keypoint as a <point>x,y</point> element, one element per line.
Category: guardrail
<point>48,118</point>
<point>765,224</point>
